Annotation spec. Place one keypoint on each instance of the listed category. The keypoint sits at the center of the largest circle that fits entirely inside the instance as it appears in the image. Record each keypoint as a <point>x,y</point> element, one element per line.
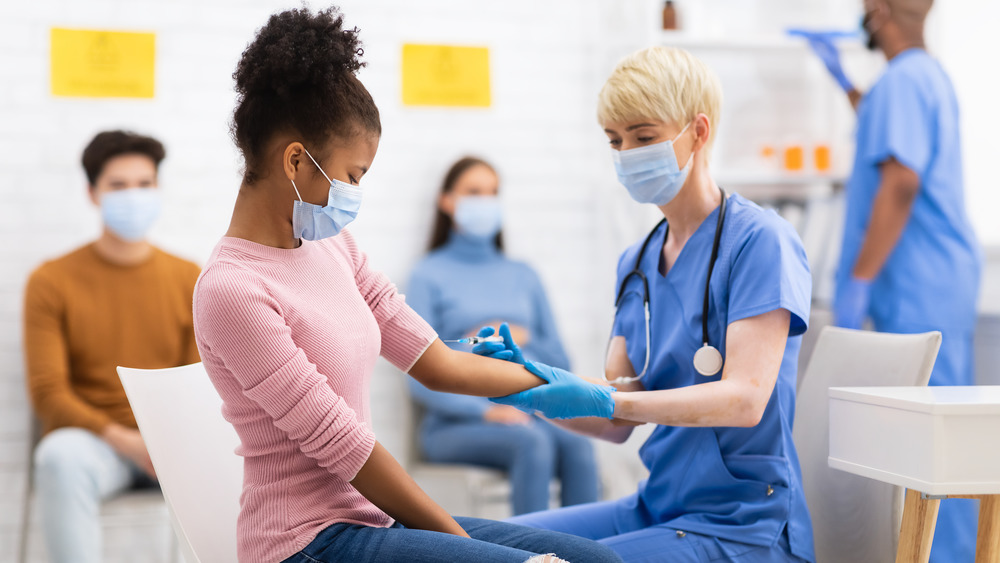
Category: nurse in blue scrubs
<point>714,370</point>
<point>910,260</point>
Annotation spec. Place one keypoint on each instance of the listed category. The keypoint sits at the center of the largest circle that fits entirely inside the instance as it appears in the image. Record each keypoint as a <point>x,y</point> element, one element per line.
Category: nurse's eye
<point>615,142</point>
<point>646,139</point>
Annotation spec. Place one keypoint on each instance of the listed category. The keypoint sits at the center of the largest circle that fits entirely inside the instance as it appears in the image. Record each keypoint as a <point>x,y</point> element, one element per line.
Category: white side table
<point>938,442</point>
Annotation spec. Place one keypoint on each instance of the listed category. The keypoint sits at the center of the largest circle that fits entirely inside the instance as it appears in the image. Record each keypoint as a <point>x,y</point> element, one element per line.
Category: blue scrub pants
<point>957,521</point>
<point>530,454</point>
<point>597,521</point>
<point>489,542</point>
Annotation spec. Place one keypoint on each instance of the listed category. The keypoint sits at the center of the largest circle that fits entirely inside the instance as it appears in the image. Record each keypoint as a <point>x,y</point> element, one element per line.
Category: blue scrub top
<point>716,481</point>
<point>931,279</point>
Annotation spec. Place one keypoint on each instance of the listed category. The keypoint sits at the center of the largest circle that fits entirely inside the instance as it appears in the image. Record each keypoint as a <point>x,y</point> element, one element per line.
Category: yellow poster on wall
<point>445,75</point>
<point>102,64</point>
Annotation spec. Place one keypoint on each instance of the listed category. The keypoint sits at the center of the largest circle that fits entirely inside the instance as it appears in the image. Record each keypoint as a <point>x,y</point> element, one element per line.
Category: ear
<point>702,130</point>
<point>446,203</point>
<point>291,159</point>
<point>92,193</point>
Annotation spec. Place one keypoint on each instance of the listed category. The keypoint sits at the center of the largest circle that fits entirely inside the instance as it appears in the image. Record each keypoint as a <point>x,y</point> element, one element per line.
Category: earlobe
<point>92,193</point>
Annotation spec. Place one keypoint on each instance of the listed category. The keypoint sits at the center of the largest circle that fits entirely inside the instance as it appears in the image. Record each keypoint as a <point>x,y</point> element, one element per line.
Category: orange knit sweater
<point>83,316</point>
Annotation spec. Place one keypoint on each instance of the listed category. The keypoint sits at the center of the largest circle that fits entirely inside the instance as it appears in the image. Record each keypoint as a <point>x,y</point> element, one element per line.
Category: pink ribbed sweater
<point>289,339</point>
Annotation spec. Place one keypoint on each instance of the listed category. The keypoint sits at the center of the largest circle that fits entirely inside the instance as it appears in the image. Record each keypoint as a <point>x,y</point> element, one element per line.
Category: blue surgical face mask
<point>314,222</point>
<point>479,216</point>
<point>130,213</point>
<point>650,173</point>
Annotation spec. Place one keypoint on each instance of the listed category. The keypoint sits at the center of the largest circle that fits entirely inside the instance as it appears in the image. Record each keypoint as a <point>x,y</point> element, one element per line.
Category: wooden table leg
<point>917,530</point>
<point>988,537</point>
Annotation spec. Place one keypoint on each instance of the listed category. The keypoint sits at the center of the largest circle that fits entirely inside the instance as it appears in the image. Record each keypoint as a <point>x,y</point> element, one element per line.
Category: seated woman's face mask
<point>479,216</point>
<point>651,173</point>
<point>314,222</point>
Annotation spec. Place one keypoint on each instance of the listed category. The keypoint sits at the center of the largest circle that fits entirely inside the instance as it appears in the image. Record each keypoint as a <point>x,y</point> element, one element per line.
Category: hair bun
<point>297,50</point>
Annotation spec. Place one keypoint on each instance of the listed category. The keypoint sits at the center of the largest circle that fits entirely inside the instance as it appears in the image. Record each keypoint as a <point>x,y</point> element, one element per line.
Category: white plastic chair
<point>193,451</point>
<point>854,518</point>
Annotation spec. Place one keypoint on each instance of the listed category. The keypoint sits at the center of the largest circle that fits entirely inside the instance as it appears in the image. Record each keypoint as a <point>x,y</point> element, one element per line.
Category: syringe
<point>476,339</point>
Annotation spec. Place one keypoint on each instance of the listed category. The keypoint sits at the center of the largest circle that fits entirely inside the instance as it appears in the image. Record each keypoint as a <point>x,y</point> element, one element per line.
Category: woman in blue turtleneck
<point>463,284</point>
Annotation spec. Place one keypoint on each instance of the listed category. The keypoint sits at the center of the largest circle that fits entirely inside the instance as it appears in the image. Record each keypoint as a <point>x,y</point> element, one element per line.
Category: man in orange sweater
<point>116,301</point>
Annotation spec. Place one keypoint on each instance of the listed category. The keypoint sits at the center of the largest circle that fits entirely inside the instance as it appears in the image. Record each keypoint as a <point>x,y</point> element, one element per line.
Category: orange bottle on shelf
<point>821,156</point>
<point>794,158</point>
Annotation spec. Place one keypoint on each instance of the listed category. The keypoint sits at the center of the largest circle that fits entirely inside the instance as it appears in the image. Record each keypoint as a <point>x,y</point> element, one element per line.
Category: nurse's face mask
<point>651,173</point>
<point>314,222</point>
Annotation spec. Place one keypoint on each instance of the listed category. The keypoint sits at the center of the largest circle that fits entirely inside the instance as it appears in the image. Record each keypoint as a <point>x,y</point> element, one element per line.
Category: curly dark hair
<point>109,144</point>
<point>298,75</point>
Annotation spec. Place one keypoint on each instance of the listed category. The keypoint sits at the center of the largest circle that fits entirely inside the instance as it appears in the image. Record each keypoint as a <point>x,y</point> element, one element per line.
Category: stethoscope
<point>707,360</point>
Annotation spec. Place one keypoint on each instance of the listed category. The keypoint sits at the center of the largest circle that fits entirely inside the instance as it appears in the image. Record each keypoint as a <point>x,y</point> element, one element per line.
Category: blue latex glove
<point>507,351</point>
<point>821,43</point>
<point>851,305</point>
<point>564,396</point>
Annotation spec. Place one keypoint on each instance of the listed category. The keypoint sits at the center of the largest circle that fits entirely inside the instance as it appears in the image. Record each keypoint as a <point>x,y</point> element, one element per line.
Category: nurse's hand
<point>851,304</point>
<point>821,43</point>
<point>507,350</point>
<point>564,396</point>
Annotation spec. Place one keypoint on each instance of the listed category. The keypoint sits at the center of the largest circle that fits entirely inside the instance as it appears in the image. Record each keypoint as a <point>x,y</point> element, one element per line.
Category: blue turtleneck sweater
<point>462,286</point>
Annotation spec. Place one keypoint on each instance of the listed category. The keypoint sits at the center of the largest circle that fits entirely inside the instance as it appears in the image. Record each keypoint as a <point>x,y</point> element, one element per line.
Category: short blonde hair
<point>663,83</point>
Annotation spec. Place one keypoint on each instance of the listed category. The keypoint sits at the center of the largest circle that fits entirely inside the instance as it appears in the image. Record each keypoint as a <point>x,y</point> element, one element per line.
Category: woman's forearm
<point>442,369</point>
<point>386,484</point>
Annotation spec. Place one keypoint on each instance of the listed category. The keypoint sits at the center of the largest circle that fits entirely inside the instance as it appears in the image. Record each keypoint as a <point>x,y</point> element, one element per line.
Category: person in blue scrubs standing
<point>724,482</point>
<point>464,283</point>
<point>910,260</point>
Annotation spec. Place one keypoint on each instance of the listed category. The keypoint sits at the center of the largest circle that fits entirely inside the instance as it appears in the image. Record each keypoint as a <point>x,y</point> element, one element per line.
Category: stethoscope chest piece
<point>707,360</point>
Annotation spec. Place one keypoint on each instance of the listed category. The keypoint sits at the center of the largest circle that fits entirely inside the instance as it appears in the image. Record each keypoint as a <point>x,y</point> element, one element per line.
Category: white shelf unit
<point>770,42</point>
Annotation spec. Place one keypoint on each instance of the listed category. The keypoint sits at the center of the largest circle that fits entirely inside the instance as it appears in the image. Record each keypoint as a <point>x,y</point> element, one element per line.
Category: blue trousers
<point>955,534</point>
<point>489,542</point>
<point>597,521</point>
<point>530,454</point>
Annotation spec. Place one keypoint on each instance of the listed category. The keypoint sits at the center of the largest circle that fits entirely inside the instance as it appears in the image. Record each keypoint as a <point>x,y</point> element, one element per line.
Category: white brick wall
<point>548,58</point>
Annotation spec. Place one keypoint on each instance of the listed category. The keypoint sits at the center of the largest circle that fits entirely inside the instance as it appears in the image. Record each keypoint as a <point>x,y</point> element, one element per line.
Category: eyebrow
<point>638,125</point>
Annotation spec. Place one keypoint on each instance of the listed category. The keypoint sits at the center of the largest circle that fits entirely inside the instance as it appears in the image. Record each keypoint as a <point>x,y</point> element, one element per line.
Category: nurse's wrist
<point>622,405</point>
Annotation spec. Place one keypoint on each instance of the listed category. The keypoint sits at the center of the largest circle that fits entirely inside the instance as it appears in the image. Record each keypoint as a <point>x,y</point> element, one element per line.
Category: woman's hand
<point>564,396</point>
<point>506,415</point>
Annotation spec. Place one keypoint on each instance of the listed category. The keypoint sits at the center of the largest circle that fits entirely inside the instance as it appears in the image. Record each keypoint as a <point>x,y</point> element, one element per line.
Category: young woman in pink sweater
<point>290,319</point>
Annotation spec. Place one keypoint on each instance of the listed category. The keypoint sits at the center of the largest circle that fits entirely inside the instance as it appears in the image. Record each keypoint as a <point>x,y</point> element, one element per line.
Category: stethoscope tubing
<point>636,271</point>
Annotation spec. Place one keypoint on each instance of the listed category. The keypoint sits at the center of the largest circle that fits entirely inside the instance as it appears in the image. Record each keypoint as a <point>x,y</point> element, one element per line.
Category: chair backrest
<point>193,451</point>
<point>854,518</point>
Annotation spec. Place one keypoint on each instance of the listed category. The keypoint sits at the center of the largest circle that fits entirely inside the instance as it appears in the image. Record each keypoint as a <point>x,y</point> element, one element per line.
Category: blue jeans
<point>74,471</point>
<point>530,454</point>
<point>597,521</point>
<point>490,542</point>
